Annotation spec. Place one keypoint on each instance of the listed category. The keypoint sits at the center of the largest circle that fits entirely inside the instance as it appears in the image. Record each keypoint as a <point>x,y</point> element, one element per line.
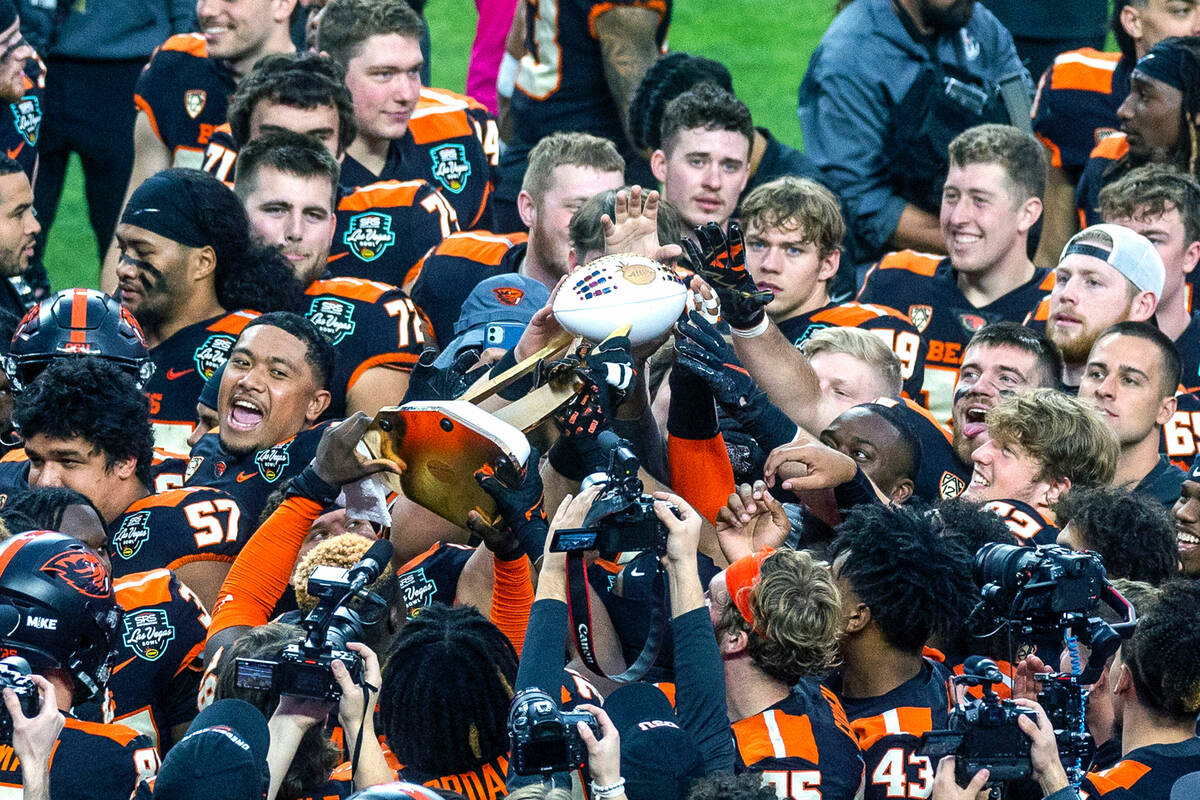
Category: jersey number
<point>539,73</point>
<point>796,784</point>
<point>890,772</point>
<point>219,160</point>
<point>410,320</point>
<point>201,516</point>
<point>1180,434</point>
<point>1019,523</point>
<point>447,217</point>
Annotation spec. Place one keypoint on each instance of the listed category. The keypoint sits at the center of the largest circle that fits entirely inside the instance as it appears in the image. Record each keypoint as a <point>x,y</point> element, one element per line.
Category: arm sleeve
<point>259,576</point>
<point>699,463</point>
<point>512,598</point>
<point>856,492</point>
<point>700,690</point>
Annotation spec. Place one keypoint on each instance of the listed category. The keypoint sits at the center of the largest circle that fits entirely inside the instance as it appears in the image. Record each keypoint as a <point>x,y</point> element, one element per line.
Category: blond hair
<point>796,203</point>
<point>344,551</point>
<point>863,345</point>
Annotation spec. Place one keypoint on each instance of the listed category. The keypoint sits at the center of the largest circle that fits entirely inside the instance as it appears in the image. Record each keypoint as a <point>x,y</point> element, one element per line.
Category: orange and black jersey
<point>19,136</point>
<point>895,329</point>
<point>185,96</point>
<point>250,478</point>
<point>432,577</point>
<point>1106,163</point>
<point>925,287</point>
<point>485,782</point>
<point>560,84</point>
<point>448,273</point>
<point>444,144</point>
<point>385,227</point>
<point>889,729</point>
<point>1147,773</point>
<point>1180,436</point>
<point>176,527</point>
<point>220,154</point>
<point>941,475</point>
<point>802,745</point>
<point>90,761</point>
<point>182,364</point>
<point>1076,105</point>
<point>371,325</point>
<point>1024,521</point>
<point>157,672</point>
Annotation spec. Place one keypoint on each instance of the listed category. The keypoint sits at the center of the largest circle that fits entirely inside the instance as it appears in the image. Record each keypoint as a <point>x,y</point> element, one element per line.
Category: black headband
<point>163,205</point>
<point>1084,249</point>
<point>1164,63</point>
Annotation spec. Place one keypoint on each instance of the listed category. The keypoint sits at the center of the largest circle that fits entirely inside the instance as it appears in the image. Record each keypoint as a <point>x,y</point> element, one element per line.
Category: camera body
<point>305,668</point>
<point>1041,583</point>
<point>621,518</point>
<point>543,738</point>
<point>14,674</point>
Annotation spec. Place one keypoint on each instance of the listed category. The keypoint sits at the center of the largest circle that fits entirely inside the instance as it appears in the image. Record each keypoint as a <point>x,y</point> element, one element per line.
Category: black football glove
<point>703,352</point>
<point>581,451</point>
<point>609,365</point>
<point>720,259</point>
<point>428,382</point>
<point>522,507</point>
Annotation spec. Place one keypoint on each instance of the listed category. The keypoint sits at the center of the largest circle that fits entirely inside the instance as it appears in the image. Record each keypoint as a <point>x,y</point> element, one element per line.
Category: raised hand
<point>720,259</point>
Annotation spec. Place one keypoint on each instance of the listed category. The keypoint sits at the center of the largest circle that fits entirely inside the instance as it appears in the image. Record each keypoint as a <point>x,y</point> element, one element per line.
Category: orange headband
<point>740,578</point>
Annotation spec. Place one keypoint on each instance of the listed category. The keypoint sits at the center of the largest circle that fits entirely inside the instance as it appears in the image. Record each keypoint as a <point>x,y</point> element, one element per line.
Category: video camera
<point>622,517</point>
<point>304,668</point>
<point>542,738</point>
<point>14,674</point>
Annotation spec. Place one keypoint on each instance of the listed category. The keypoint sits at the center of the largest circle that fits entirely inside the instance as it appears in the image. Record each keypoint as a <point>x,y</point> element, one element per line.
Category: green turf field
<point>765,46</point>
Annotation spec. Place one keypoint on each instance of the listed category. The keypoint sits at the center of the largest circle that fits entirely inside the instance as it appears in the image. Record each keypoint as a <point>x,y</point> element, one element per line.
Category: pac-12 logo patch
<point>210,356</point>
<point>27,116</point>
<point>416,589</point>
<point>950,486</point>
<point>132,534</point>
<point>920,316</point>
<point>450,166</point>
<point>148,632</point>
<point>369,235</point>
<point>193,102</point>
<point>333,317</point>
<point>272,462</point>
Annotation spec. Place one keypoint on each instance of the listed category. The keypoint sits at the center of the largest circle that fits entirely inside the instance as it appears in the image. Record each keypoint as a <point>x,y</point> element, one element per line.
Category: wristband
<point>608,792</point>
<point>750,333</point>
<point>309,485</point>
<point>506,78</point>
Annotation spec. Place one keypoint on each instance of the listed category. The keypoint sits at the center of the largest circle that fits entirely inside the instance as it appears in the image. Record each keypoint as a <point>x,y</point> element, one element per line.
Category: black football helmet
<point>77,322</point>
<point>58,610</point>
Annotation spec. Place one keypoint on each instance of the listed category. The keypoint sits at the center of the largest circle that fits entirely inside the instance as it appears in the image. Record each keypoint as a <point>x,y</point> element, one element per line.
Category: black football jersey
<point>1024,521</point>
<point>448,273</point>
<point>941,475</point>
<point>895,329</point>
<point>1100,170</point>
<point>182,364</point>
<point>385,227</point>
<point>172,528</point>
<point>220,154</point>
<point>251,478</point>
<point>1146,773</point>
<point>803,744</point>
<point>157,672</point>
<point>889,731</point>
<point>19,131</point>
<point>1076,105</point>
<point>185,96</point>
<point>925,288</point>
<point>1180,436</point>
<point>91,761</point>
<point>432,577</point>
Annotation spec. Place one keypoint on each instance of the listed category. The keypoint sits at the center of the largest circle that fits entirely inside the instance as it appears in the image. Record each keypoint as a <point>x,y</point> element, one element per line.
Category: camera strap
<point>579,611</point>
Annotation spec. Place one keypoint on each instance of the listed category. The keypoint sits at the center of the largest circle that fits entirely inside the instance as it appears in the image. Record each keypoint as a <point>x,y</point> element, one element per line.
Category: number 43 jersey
<point>175,527</point>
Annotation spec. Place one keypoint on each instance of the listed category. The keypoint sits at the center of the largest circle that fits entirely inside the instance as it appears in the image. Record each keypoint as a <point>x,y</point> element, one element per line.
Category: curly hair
<point>1163,655</point>
<point>1133,533</point>
<point>902,566</point>
<point>705,106</point>
<point>96,400</point>
<point>316,756</point>
<point>296,80</point>
<point>746,786</point>
<point>43,509</point>
<point>345,551</point>
<point>446,691</point>
<point>671,76</point>
<point>797,614</point>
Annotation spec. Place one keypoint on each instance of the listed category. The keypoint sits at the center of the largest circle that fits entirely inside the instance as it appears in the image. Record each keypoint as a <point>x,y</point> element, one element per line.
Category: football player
<point>1186,512</point>
<point>991,199</point>
<point>1041,443</point>
<point>65,623</point>
<point>1132,533</point>
<point>190,272</point>
<point>404,134</point>
<point>22,80</point>
<point>18,235</point>
<point>287,183</point>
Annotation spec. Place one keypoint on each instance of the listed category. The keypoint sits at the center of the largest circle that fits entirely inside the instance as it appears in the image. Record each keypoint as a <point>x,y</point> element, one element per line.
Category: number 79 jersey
<point>174,527</point>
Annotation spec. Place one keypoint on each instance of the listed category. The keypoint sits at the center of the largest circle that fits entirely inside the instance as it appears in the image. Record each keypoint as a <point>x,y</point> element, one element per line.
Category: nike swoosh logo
<point>242,477</point>
<point>17,151</point>
<point>636,572</point>
<point>172,374</point>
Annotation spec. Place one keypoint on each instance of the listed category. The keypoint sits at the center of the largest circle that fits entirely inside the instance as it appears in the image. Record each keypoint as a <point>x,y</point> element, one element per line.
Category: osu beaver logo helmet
<point>58,610</point>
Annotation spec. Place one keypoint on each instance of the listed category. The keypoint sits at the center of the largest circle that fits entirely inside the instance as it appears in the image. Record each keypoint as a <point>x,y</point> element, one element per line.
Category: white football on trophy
<point>611,291</point>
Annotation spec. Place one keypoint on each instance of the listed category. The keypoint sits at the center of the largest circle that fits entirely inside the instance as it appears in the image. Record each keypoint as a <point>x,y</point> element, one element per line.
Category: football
<point>613,290</point>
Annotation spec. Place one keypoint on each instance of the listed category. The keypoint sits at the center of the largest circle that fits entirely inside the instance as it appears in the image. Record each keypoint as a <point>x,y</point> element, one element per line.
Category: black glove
<point>609,365</point>
<point>702,351</point>
<point>720,260</point>
<point>428,382</point>
<point>522,506</point>
<point>581,451</point>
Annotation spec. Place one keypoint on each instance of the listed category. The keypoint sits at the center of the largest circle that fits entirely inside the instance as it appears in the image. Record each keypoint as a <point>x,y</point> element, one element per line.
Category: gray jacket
<point>108,30</point>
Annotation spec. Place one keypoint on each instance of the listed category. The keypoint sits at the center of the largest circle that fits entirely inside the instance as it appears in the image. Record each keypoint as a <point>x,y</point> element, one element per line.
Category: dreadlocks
<point>446,691</point>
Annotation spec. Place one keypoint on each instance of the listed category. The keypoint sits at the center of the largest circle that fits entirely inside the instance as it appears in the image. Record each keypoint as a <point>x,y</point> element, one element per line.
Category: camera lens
<point>1003,565</point>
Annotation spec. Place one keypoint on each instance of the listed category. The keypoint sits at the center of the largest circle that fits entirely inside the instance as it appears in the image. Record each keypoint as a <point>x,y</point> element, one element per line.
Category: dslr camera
<point>621,518</point>
<point>305,668</point>
<point>1039,584</point>
<point>14,674</point>
<point>984,733</point>
<point>542,738</point>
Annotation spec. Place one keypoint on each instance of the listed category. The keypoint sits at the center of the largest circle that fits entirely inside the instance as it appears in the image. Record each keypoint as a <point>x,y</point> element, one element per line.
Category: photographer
<point>34,738</point>
<point>1154,680</point>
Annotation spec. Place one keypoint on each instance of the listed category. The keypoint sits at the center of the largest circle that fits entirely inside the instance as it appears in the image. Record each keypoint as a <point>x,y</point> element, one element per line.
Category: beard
<point>952,18</point>
<point>1075,350</point>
